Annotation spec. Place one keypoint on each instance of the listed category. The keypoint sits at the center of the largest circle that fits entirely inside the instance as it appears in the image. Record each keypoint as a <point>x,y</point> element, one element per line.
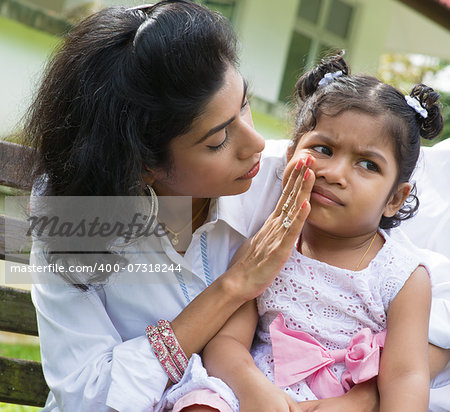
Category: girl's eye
<point>369,165</point>
<point>323,149</point>
<point>221,145</point>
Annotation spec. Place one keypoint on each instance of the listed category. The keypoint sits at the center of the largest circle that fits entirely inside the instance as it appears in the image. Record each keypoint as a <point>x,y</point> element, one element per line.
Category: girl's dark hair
<point>369,95</point>
<point>122,86</point>
<point>124,83</point>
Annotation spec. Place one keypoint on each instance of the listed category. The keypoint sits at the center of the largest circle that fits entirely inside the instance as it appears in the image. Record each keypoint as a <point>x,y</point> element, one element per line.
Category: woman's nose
<point>251,141</point>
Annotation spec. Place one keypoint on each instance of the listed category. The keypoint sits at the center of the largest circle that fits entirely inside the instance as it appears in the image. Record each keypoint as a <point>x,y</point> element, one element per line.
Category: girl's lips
<point>251,173</point>
<point>325,197</point>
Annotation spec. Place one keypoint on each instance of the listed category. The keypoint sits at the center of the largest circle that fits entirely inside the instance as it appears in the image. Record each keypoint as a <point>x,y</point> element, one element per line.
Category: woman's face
<point>220,154</point>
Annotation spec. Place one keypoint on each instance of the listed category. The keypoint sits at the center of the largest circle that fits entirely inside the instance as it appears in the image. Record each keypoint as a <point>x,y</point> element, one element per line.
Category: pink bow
<point>297,356</point>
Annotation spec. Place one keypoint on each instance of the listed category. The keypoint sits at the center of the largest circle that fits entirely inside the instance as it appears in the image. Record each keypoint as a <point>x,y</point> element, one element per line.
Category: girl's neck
<point>346,252</point>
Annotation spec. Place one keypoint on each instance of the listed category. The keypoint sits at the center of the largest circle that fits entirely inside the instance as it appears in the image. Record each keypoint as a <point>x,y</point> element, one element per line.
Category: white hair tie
<point>415,104</point>
<point>329,77</point>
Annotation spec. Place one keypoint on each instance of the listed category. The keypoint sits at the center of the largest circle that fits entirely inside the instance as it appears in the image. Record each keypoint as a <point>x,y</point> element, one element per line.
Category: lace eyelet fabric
<point>330,303</point>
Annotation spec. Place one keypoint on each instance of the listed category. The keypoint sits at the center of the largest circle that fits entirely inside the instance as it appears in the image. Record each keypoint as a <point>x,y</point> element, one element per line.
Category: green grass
<point>270,127</point>
<point>21,351</point>
<point>4,407</point>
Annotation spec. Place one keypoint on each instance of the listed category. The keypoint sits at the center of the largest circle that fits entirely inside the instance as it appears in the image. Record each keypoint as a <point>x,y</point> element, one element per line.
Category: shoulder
<point>430,227</point>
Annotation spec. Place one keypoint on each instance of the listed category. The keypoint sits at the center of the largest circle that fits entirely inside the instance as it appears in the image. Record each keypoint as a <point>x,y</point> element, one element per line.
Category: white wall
<point>264,28</point>
<point>23,53</point>
<point>369,34</point>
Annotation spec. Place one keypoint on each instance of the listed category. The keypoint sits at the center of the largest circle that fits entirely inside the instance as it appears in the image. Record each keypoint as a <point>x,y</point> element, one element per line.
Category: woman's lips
<point>251,173</point>
<point>326,197</point>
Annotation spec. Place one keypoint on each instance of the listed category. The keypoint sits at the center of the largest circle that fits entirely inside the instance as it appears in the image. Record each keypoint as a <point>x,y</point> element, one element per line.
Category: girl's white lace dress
<point>329,303</point>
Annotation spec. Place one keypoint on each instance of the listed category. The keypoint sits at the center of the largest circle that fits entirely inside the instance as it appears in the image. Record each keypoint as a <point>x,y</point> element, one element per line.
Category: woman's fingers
<point>299,208</point>
<point>286,195</point>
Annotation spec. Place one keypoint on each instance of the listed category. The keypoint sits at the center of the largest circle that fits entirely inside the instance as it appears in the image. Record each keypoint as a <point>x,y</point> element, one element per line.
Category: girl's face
<point>355,169</point>
<point>220,154</point>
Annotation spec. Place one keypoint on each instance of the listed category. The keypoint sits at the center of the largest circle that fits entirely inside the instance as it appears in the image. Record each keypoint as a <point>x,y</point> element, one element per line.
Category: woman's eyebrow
<point>221,126</point>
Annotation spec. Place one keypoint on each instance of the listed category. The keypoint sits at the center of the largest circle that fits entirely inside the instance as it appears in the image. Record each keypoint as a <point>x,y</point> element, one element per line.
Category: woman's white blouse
<point>94,350</point>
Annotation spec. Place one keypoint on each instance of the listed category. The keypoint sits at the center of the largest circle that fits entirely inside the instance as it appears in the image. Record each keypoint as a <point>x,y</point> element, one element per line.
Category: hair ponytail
<point>308,84</point>
<point>432,125</point>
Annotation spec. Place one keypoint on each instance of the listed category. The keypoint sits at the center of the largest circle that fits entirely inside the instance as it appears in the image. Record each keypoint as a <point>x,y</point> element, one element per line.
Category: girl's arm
<point>227,356</point>
<point>404,377</point>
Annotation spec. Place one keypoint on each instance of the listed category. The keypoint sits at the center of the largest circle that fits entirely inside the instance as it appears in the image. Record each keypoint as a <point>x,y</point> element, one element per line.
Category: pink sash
<point>297,356</point>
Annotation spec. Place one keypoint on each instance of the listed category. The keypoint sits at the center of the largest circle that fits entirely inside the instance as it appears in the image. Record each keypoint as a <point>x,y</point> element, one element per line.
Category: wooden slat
<point>13,171</point>
<point>17,312</point>
<point>15,246</point>
<point>22,382</point>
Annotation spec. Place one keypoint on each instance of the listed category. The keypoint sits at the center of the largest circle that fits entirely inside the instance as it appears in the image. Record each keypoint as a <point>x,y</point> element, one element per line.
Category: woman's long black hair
<point>124,83</point>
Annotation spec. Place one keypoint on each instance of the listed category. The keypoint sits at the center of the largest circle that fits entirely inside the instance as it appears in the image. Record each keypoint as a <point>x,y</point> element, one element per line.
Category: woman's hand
<point>254,269</point>
<point>258,261</point>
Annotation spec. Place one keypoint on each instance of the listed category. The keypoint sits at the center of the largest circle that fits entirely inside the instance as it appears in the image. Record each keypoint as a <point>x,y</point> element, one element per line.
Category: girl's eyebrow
<point>362,151</point>
<point>372,154</point>
<point>221,126</point>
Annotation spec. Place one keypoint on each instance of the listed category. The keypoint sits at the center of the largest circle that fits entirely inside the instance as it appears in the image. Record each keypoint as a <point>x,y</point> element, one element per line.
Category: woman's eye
<point>369,165</point>
<point>323,149</point>
<point>221,145</point>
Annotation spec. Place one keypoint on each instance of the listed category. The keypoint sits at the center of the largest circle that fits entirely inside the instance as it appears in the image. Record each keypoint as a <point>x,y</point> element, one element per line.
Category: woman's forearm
<point>259,262</point>
<point>206,314</point>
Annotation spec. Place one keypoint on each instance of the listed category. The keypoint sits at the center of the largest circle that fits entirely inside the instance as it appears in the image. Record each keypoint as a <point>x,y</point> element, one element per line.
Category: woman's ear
<point>397,199</point>
<point>148,176</point>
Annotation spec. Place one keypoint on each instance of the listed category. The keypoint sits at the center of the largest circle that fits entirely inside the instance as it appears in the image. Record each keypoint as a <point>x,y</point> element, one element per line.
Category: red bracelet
<point>171,341</point>
<point>162,353</point>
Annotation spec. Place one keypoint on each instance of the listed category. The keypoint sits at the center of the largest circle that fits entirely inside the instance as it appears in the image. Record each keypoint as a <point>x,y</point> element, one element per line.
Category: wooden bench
<point>21,381</point>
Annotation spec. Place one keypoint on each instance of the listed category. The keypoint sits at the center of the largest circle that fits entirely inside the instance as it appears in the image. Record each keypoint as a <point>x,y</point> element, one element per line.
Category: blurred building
<point>279,39</point>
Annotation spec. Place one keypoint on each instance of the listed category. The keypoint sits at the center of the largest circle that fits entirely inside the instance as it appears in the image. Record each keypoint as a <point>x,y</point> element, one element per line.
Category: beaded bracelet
<point>171,341</point>
<point>162,353</point>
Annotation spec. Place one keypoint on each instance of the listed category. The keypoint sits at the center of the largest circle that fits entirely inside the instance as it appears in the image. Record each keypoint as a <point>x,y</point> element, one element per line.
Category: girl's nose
<point>334,171</point>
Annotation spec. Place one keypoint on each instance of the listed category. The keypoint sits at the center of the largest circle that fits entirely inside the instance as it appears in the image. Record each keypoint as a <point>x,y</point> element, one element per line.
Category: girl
<point>322,321</point>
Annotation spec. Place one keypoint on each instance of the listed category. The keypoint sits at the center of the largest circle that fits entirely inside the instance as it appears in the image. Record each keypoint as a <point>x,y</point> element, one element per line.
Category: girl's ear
<point>397,199</point>
<point>290,152</point>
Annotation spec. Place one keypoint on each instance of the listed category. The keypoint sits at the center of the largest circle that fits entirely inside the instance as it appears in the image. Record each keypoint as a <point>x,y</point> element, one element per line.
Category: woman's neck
<point>347,252</point>
<point>181,216</point>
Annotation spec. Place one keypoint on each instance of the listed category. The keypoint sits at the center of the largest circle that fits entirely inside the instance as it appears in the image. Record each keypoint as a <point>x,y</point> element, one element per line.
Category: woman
<point>140,98</point>
<point>139,101</point>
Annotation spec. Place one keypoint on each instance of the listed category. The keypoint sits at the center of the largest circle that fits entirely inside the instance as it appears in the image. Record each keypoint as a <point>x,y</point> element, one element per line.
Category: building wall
<point>23,53</point>
<point>264,29</point>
